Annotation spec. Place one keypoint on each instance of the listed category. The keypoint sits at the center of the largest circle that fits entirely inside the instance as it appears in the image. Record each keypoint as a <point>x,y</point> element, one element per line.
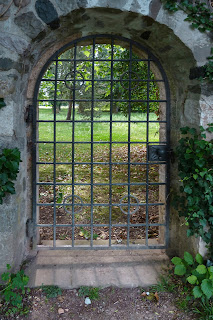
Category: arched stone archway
<point>38,35</point>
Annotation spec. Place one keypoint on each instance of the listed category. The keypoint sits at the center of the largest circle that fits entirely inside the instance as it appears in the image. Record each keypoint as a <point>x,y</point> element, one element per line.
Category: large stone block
<point>8,218</point>
<point>47,12</point>
<point>67,6</point>
<point>206,105</point>
<point>6,120</point>
<point>13,43</point>
<point>29,24</point>
<point>6,248</point>
<point>7,83</point>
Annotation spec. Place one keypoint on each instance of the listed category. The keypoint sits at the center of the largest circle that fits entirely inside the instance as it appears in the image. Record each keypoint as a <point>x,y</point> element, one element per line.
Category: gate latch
<point>157,153</point>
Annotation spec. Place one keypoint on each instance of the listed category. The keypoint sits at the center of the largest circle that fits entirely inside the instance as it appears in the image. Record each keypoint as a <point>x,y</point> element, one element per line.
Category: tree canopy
<point>114,77</point>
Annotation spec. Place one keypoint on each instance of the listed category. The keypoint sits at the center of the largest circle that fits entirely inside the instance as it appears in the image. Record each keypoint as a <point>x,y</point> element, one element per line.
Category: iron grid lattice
<point>129,204</point>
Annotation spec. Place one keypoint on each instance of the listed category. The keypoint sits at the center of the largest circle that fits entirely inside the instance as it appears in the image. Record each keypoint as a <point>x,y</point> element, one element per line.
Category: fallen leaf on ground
<point>156,296</point>
<point>60,311</point>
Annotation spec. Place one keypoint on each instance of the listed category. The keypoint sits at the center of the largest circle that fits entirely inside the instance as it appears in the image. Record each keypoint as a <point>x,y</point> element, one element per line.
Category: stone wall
<point>31,31</point>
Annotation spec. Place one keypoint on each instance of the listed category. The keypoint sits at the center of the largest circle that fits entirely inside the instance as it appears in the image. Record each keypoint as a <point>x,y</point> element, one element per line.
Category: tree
<point>98,77</point>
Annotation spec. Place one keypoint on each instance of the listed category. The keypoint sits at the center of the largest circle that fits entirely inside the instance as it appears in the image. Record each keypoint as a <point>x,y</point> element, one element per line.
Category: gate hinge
<point>29,228</point>
<point>28,114</point>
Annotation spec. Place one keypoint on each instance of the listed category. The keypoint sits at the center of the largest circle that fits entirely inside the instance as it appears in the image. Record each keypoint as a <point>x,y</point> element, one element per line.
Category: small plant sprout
<point>51,291</point>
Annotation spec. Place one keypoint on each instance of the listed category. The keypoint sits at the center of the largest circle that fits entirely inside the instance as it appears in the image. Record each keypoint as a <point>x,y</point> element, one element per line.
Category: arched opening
<point>101,144</point>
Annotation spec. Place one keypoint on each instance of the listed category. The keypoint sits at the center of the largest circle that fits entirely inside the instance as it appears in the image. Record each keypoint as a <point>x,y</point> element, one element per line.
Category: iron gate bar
<point>101,225</point>
<point>101,100</point>
<point>102,184</point>
<point>110,147</point>
<point>73,148</point>
<point>129,118</point>
<point>100,80</point>
<point>92,106</point>
<point>102,60</point>
<point>147,165</point>
<point>101,204</point>
<point>104,163</point>
<point>56,81</point>
<point>101,121</point>
<point>98,247</point>
<point>98,142</point>
<point>54,156</point>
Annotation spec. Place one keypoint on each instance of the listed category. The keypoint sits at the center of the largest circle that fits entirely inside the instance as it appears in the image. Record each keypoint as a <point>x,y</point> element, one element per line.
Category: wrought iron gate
<point>101,142</point>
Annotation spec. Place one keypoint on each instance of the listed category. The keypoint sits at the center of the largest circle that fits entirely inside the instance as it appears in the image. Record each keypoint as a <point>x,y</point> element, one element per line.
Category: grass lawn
<point>101,130</point>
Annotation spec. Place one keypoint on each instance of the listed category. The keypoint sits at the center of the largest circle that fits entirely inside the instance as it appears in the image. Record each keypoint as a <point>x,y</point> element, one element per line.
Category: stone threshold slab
<point>98,268</point>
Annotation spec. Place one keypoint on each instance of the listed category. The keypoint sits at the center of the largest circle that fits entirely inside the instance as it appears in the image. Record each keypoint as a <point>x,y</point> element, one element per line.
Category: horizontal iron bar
<point>102,121</point>
<point>100,100</point>
<point>105,60</point>
<point>101,184</point>
<point>100,204</point>
<point>101,80</point>
<point>103,142</point>
<point>101,247</point>
<point>96,163</point>
<point>101,225</point>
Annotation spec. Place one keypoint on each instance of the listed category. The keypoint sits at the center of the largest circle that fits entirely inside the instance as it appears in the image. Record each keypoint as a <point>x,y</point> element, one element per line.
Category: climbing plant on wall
<point>200,16</point>
<point>195,199</point>
<point>9,168</point>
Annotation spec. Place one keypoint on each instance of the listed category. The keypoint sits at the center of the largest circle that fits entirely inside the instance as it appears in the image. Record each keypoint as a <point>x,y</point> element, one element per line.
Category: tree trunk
<point>69,111</point>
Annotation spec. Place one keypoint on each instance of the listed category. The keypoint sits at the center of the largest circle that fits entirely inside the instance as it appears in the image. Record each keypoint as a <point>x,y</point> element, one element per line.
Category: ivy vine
<point>200,17</point>
<point>9,168</point>
<point>195,200</point>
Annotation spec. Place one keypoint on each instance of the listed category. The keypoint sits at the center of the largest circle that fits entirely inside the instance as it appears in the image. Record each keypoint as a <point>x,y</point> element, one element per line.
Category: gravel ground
<point>113,303</point>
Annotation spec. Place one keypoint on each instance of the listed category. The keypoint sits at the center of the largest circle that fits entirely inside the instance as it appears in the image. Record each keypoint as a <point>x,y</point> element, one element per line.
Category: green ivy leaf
<point>187,189</point>
<point>201,269</point>
<point>199,258</point>
<point>189,233</point>
<point>210,129</point>
<point>188,258</point>
<point>210,269</point>
<point>192,279</point>
<point>176,260</point>
<point>207,288</point>
<point>197,292</point>
<point>180,270</point>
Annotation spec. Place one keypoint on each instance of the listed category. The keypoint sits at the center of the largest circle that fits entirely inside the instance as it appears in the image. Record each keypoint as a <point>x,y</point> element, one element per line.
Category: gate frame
<point>34,152</point>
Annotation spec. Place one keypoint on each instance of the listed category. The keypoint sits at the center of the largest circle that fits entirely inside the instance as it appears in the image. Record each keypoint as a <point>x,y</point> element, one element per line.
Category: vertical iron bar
<point>73,150</point>
<point>167,200</point>
<point>147,144</point>
<point>110,146</point>
<point>35,173</point>
<point>129,145</point>
<point>92,115</point>
<point>54,154</point>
